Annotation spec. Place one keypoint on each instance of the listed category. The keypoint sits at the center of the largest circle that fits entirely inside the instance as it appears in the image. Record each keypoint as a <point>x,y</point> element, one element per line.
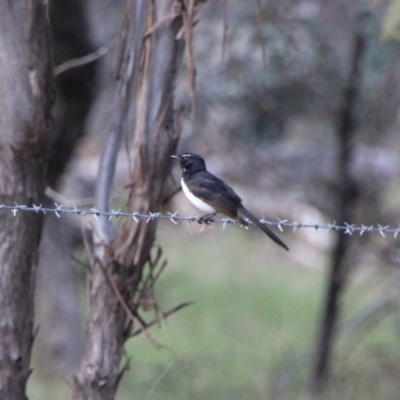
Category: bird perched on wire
<point>211,195</point>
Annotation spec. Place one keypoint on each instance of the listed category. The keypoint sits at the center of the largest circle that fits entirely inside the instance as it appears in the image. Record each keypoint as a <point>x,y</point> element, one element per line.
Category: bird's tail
<point>263,227</point>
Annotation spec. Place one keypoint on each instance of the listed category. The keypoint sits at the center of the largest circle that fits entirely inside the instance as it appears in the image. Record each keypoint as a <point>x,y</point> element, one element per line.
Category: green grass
<point>254,311</point>
<point>250,305</point>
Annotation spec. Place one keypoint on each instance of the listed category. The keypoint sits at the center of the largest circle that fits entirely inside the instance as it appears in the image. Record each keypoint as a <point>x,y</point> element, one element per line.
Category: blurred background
<point>297,109</point>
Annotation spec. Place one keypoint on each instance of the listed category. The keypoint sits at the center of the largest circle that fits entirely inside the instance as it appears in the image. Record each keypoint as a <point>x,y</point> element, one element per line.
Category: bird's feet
<point>206,219</point>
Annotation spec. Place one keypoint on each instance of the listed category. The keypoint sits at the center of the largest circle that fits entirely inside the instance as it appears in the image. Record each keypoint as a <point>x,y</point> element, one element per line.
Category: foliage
<point>391,23</point>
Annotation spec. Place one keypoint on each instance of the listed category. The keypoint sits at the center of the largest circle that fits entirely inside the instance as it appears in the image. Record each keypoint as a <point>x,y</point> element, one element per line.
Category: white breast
<point>201,205</point>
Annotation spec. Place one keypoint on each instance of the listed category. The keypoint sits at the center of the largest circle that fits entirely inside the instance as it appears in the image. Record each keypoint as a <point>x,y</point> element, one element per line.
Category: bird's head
<point>191,162</point>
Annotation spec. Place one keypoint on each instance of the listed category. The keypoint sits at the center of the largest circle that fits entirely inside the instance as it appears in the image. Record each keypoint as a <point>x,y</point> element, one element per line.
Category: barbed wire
<point>347,228</point>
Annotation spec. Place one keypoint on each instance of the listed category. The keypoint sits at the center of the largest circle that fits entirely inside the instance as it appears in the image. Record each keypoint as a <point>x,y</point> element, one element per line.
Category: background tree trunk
<point>60,338</point>
<point>75,86</point>
<point>25,107</point>
<point>345,211</point>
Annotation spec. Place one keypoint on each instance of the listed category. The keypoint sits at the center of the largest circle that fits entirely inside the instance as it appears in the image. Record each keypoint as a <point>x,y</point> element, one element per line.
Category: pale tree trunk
<point>147,71</point>
<point>25,109</point>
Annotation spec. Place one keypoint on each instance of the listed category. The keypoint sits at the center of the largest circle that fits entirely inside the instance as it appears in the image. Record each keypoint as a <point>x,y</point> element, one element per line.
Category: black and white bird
<point>211,195</point>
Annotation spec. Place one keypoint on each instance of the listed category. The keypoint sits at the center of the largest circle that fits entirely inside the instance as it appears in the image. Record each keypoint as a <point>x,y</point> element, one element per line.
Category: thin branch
<point>167,198</point>
<point>225,27</point>
<point>164,316</point>
<point>260,34</point>
<point>188,17</point>
<point>144,326</point>
<point>159,379</point>
<point>159,24</point>
<point>78,62</point>
<point>81,202</point>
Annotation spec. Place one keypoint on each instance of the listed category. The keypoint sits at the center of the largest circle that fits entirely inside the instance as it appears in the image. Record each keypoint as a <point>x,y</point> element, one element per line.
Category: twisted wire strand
<point>347,228</point>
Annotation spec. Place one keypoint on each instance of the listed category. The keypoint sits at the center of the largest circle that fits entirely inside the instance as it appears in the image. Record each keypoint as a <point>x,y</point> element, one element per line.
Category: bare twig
<point>159,24</point>
<point>164,315</point>
<point>188,17</point>
<point>225,27</point>
<point>78,62</point>
<point>145,326</point>
<point>132,314</point>
<point>260,34</point>
<point>159,379</point>
<point>167,198</point>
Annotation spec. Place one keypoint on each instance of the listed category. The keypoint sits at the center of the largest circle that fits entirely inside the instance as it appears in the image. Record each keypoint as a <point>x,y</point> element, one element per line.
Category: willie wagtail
<point>211,195</point>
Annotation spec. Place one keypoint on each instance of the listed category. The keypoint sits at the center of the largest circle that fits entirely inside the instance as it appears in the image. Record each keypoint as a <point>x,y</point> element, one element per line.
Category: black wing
<point>216,193</point>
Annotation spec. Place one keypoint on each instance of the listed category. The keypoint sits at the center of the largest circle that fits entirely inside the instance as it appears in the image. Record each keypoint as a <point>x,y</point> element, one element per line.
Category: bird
<point>211,195</point>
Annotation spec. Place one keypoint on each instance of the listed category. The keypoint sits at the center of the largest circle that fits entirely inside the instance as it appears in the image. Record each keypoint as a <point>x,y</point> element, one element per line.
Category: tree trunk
<point>345,211</point>
<point>147,78</point>
<point>25,109</point>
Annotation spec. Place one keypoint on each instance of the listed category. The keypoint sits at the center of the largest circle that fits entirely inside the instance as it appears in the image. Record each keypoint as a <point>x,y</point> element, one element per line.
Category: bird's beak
<point>176,158</point>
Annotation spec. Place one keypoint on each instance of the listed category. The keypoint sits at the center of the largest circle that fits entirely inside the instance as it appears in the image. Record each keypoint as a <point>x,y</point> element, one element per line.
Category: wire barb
<point>59,210</point>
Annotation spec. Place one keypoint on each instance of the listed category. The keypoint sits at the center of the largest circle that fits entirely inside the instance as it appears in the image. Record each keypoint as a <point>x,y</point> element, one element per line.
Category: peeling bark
<point>147,71</point>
